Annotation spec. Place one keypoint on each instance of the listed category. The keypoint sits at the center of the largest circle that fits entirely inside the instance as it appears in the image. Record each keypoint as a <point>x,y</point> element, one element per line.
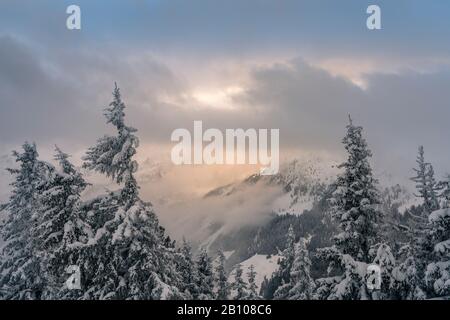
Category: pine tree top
<point>115,112</point>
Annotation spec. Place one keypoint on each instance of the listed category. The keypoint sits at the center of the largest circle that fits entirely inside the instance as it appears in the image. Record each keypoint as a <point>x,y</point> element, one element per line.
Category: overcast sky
<point>300,66</point>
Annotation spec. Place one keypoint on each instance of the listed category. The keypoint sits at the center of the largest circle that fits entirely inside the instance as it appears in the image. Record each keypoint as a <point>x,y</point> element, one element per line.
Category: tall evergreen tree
<point>409,275</point>
<point>188,272</point>
<point>113,155</point>
<point>285,265</point>
<point>61,230</point>
<point>354,206</point>
<point>20,275</point>
<point>129,256</point>
<point>425,183</point>
<point>302,284</point>
<point>354,203</point>
<point>223,289</point>
<point>205,276</point>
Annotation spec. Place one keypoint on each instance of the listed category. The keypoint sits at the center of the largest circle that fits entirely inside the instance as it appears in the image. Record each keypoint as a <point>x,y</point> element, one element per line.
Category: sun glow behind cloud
<point>217,97</point>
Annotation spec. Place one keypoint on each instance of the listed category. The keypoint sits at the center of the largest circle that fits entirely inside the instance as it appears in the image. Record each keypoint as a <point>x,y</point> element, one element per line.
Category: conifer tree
<point>113,155</point>
<point>129,256</point>
<point>285,265</point>
<point>205,276</point>
<point>354,203</point>
<point>239,285</point>
<point>188,272</point>
<point>252,287</point>
<point>301,283</point>
<point>409,276</point>
<point>223,289</point>
<point>61,230</point>
<point>437,274</point>
<point>20,274</point>
<point>425,183</point>
<point>354,207</point>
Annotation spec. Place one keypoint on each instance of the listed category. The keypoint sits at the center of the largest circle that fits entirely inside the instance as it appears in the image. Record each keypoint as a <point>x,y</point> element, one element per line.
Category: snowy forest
<point>123,252</point>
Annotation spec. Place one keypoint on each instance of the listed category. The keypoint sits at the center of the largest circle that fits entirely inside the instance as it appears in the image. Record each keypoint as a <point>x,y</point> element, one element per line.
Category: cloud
<point>207,29</point>
<point>199,219</point>
<point>35,103</point>
<point>399,110</point>
<point>58,97</point>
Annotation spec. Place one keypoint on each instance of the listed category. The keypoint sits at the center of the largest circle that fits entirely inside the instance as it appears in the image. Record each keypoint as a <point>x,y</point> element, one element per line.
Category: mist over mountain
<point>251,216</point>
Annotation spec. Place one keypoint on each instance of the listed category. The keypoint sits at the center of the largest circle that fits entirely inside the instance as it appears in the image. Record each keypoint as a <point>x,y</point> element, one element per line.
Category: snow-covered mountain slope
<point>301,182</point>
<point>299,186</point>
<point>264,267</point>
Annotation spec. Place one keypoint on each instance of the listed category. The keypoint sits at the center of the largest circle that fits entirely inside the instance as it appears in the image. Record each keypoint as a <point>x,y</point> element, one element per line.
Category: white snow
<point>438,215</point>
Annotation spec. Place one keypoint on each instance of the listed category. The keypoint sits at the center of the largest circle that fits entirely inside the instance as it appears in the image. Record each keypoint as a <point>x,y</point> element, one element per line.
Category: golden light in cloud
<point>216,97</point>
<point>186,180</point>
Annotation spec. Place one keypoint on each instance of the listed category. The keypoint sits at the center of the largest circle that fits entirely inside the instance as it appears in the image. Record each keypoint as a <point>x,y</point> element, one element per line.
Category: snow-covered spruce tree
<point>61,231</point>
<point>20,275</point>
<point>426,184</point>
<point>188,272</point>
<point>409,276</point>
<point>252,287</point>
<point>113,155</point>
<point>223,289</point>
<point>302,284</point>
<point>354,203</point>
<point>354,208</point>
<point>299,285</point>
<point>129,256</point>
<point>205,276</point>
<point>285,265</point>
<point>437,274</point>
<point>239,286</point>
